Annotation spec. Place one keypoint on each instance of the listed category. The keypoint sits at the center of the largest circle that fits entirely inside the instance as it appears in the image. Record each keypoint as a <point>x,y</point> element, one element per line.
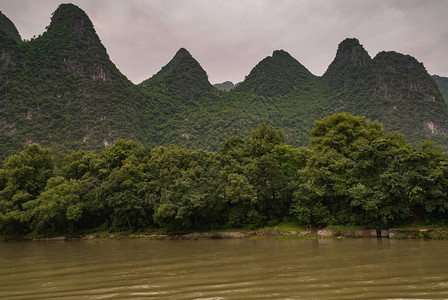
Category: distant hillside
<point>224,86</point>
<point>442,83</point>
<point>61,90</point>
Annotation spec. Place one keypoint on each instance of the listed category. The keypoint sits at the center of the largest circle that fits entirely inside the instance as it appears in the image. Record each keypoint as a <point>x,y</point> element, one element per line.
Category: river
<point>225,269</point>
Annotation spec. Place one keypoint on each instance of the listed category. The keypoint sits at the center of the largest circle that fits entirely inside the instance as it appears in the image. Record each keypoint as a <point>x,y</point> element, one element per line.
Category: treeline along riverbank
<point>351,174</point>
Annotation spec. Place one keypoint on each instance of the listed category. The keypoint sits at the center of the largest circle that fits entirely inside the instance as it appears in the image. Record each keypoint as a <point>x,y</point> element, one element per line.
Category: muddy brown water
<point>225,269</point>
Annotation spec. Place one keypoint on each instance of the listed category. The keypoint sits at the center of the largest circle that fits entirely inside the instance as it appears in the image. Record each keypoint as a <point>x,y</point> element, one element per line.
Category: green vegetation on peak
<point>395,60</point>
<point>9,28</point>
<point>276,76</point>
<point>351,52</point>
<point>392,88</point>
<point>349,79</point>
<point>182,77</point>
<point>281,53</point>
<point>61,90</point>
<point>69,45</point>
<point>181,54</point>
<point>405,88</point>
<point>398,76</point>
<point>351,62</point>
<point>71,19</point>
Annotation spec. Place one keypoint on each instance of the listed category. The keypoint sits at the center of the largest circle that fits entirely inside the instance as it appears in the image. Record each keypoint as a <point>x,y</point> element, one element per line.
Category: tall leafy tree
<point>323,191</point>
<point>57,209</point>
<point>379,194</point>
<point>23,179</point>
<point>184,185</point>
<point>124,195</point>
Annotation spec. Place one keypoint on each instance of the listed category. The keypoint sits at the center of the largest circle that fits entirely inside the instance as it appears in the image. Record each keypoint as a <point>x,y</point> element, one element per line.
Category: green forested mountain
<point>183,78</point>
<point>9,28</point>
<point>60,89</point>
<point>442,82</point>
<point>277,76</point>
<point>408,96</point>
<point>392,88</point>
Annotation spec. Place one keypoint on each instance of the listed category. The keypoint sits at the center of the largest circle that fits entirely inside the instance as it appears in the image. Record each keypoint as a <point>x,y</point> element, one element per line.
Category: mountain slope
<point>182,77</point>
<point>349,76</point>
<point>61,89</point>
<point>409,98</point>
<point>8,27</point>
<point>276,76</point>
<point>392,88</point>
<point>442,83</point>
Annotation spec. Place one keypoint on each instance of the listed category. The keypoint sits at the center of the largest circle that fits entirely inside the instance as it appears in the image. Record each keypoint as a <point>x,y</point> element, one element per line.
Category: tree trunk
<point>129,223</point>
<point>196,221</point>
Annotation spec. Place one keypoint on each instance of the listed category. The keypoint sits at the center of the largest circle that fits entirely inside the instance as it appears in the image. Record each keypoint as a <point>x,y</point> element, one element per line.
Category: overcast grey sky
<point>229,37</point>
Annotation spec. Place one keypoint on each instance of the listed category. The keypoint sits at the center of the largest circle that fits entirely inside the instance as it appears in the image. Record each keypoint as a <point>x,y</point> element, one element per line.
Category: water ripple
<point>232,269</point>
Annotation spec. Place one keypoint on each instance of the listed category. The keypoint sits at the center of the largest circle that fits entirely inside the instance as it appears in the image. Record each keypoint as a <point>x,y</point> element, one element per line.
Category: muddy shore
<point>396,233</point>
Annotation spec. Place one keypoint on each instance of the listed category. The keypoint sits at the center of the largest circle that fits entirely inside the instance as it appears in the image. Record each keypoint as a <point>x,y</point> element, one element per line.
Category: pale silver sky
<point>229,37</point>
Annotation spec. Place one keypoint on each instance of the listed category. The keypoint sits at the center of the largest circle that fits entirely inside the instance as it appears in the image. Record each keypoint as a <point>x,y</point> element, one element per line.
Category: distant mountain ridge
<point>61,89</point>
<point>442,83</point>
<point>392,88</point>
<point>224,86</point>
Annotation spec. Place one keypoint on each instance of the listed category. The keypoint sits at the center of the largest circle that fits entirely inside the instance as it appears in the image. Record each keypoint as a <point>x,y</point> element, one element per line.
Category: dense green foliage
<point>351,173</point>
<point>9,28</point>
<point>276,76</point>
<point>182,78</point>
<point>61,90</point>
<point>391,88</point>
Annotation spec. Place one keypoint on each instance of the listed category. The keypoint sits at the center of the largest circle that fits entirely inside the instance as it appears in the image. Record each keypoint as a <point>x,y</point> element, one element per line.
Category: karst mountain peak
<point>8,27</point>
<point>62,89</point>
<point>182,76</point>
<point>277,75</point>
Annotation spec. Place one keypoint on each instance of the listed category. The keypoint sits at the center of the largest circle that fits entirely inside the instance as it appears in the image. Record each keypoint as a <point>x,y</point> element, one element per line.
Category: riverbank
<point>275,233</point>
